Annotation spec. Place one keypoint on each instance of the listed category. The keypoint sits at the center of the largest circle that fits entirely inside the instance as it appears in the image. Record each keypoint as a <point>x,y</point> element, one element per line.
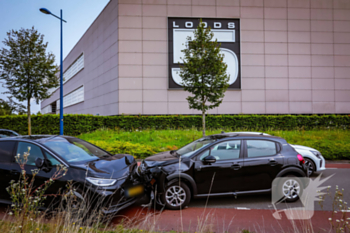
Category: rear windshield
<point>75,150</point>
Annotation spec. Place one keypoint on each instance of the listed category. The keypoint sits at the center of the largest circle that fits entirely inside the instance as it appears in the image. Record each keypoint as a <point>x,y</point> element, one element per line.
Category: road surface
<point>254,212</point>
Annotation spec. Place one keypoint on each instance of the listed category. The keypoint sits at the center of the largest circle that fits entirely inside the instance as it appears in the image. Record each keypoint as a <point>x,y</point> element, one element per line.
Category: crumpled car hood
<point>163,158</point>
<point>116,166</point>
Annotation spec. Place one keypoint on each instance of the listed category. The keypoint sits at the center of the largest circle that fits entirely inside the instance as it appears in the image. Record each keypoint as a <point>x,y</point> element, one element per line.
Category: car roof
<point>36,138</point>
<point>245,135</point>
<point>8,130</point>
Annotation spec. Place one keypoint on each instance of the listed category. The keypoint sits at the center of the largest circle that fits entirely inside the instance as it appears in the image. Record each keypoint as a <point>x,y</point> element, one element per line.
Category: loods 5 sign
<point>227,33</point>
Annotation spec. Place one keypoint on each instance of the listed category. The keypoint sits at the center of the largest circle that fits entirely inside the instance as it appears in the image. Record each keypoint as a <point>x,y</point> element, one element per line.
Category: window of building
<point>76,66</point>
<point>46,110</point>
<point>72,98</point>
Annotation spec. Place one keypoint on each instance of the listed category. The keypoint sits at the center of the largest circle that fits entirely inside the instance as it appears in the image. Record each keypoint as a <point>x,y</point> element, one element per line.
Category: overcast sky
<point>79,14</point>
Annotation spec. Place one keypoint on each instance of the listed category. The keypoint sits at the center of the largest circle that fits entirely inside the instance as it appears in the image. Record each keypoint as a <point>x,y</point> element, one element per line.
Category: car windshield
<point>189,149</point>
<point>75,150</point>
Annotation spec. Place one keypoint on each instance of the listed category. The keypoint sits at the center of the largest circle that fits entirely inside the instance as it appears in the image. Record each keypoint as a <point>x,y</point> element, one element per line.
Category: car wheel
<point>311,165</point>
<point>290,188</point>
<point>176,196</point>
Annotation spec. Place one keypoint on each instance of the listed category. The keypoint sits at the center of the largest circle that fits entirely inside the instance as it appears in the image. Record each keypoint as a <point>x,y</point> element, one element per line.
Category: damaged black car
<point>98,177</point>
<point>227,164</point>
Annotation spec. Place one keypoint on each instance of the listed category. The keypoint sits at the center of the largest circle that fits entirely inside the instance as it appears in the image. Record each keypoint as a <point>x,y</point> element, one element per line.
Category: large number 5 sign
<point>230,58</point>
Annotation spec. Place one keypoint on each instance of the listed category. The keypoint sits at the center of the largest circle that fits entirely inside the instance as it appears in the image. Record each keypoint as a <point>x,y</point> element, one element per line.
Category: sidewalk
<point>225,220</point>
<point>337,163</point>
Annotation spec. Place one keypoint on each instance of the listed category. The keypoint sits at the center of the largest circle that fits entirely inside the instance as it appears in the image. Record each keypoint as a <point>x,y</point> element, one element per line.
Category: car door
<point>35,151</point>
<point>7,149</point>
<point>225,174</point>
<point>262,162</point>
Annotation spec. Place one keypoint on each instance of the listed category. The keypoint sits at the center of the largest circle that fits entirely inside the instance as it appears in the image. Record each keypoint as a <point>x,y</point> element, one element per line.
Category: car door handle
<point>236,167</point>
<point>14,172</point>
<point>272,162</point>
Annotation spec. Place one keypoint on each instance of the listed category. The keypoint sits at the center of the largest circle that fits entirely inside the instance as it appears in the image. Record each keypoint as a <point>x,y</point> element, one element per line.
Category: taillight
<point>301,159</point>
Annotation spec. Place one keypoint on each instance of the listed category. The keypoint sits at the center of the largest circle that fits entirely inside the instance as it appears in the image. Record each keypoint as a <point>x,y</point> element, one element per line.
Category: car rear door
<point>225,174</point>
<point>262,162</point>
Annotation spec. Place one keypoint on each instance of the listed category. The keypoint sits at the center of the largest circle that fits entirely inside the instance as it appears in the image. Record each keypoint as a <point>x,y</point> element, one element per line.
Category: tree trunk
<point>203,122</point>
<point>29,120</point>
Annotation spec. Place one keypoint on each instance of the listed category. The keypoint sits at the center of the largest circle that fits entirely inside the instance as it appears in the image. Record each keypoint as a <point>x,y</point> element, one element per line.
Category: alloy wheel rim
<point>310,166</point>
<point>175,196</point>
<point>291,189</point>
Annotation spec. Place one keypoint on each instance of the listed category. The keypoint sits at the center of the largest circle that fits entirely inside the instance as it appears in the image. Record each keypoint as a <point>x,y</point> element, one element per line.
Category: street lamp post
<point>46,11</point>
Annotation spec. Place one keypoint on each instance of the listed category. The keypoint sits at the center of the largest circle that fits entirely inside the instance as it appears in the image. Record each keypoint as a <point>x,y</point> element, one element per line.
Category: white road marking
<point>242,208</point>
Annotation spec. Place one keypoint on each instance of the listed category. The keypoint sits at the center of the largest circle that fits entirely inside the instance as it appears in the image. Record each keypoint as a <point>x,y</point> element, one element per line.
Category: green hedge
<point>77,124</point>
<point>138,150</point>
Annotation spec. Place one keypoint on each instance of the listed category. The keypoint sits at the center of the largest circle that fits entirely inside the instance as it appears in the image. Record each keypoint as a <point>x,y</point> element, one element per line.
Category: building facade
<point>283,56</point>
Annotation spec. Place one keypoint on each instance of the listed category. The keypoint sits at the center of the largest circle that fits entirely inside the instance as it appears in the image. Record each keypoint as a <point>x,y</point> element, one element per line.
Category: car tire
<point>311,165</point>
<point>176,196</point>
<point>290,188</point>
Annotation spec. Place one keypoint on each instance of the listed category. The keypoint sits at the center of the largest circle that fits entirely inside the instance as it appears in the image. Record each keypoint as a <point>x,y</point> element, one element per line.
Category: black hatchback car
<point>226,164</point>
<point>96,174</point>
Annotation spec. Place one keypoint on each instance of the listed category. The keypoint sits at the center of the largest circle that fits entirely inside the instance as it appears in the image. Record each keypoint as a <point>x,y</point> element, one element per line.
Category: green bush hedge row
<point>76,124</point>
<point>330,151</point>
<point>138,150</point>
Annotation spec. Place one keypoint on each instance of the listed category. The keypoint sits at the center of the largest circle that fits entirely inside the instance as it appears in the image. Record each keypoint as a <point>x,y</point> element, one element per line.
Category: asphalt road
<point>254,212</point>
<point>341,177</point>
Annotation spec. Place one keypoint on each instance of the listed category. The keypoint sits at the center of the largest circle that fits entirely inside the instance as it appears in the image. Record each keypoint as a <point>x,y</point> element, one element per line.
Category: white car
<point>313,158</point>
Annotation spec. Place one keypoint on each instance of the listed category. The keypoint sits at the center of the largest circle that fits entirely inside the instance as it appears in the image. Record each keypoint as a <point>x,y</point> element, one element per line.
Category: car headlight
<point>316,153</point>
<point>102,181</point>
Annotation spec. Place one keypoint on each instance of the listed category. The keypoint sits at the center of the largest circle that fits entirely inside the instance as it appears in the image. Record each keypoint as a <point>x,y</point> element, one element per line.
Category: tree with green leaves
<point>203,71</point>
<point>28,71</point>
<point>10,107</point>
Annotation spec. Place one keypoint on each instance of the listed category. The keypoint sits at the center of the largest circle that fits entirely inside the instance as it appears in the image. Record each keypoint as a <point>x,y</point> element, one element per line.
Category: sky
<point>79,14</point>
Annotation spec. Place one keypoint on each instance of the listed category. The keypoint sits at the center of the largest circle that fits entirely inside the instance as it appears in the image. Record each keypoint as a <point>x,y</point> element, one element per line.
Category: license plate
<point>135,191</point>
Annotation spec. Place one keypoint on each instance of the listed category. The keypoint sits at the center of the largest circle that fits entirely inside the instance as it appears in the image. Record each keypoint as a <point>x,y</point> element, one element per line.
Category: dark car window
<point>189,149</point>
<point>34,152</point>
<point>225,150</point>
<point>53,161</point>
<point>258,148</point>
<point>6,150</point>
<point>75,150</point>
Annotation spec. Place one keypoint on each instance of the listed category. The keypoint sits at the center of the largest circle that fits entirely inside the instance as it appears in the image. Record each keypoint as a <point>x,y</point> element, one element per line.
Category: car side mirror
<point>209,159</point>
<point>39,162</point>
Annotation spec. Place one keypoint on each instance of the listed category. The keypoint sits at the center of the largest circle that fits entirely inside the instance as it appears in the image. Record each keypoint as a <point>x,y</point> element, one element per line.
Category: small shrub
<point>26,198</point>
